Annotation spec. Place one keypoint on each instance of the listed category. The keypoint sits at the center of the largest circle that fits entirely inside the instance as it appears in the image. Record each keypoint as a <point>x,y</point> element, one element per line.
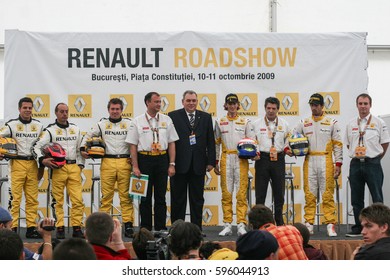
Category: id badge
<point>360,152</point>
<point>156,148</point>
<point>273,154</point>
<point>270,134</point>
<point>192,139</point>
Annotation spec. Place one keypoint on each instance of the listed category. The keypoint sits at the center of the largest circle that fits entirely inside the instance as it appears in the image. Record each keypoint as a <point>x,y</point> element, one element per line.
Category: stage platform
<point>336,248</point>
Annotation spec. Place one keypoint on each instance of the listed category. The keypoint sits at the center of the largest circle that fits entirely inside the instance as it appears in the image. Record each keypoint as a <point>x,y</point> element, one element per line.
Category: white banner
<point>85,70</point>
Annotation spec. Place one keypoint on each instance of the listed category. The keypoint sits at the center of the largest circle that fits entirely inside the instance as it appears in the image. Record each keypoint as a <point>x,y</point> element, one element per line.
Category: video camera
<point>158,249</point>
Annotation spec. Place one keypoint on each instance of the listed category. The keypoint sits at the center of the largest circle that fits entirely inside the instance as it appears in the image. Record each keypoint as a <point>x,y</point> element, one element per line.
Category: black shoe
<point>60,234</point>
<point>129,230</point>
<point>32,233</point>
<point>77,232</point>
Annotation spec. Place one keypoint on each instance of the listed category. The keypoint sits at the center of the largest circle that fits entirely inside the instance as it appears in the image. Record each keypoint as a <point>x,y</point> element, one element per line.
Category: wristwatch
<point>172,163</point>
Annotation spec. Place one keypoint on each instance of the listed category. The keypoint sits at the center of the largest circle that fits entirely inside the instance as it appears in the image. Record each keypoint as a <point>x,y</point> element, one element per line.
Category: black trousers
<point>266,170</point>
<point>157,169</point>
<point>193,184</point>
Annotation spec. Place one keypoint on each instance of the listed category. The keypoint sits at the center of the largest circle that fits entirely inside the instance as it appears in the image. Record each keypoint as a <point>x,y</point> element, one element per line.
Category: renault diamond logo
<point>207,215</point>
<point>79,104</point>
<point>124,102</point>
<point>205,103</point>
<point>328,102</point>
<point>287,102</point>
<point>38,104</point>
<point>246,103</point>
<point>164,103</point>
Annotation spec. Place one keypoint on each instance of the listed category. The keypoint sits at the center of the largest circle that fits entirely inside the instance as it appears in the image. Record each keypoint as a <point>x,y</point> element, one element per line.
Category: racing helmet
<point>55,151</point>
<point>246,148</point>
<point>95,147</point>
<point>299,144</point>
<point>8,147</point>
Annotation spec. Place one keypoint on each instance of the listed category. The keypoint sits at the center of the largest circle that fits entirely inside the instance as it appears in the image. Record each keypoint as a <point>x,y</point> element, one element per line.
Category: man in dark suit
<point>195,154</point>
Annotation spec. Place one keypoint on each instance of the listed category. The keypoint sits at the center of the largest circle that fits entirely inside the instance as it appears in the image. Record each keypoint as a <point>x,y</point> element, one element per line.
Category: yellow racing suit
<point>69,176</point>
<point>325,140</point>
<point>24,169</point>
<point>234,171</point>
<point>115,166</point>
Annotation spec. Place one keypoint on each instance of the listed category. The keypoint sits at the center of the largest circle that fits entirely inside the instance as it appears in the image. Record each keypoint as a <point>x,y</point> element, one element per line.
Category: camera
<point>158,249</point>
<point>47,228</point>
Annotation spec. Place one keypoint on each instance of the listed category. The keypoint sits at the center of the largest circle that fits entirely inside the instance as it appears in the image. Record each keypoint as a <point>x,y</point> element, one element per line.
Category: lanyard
<point>269,129</point>
<point>155,130</point>
<point>362,132</point>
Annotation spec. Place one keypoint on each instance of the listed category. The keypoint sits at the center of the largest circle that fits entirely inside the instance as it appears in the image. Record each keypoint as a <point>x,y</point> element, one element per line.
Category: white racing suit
<point>115,166</point>
<point>324,140</point>
<point>234,171</point>
<point>69,176</point>
<point>24,169</point>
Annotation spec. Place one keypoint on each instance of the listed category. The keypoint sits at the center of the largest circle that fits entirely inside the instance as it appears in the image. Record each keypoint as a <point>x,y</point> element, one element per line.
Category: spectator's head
<point>257,245</point>
<point>11,245</point>
<point>74,249</point>
<point>375,220</point>
<point>5,218</point>
<point>185,240</point>
<point>207,249</point>
<point>99,228</point>
<point>304,232</point>
<point>260,215</point>
<point>140,243</point>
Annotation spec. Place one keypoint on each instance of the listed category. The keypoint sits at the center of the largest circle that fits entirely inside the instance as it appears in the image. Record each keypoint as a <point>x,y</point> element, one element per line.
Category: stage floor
<point>212,234</point>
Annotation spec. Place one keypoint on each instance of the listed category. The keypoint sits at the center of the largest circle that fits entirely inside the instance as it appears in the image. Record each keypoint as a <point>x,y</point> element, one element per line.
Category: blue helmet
<point>246,148</point>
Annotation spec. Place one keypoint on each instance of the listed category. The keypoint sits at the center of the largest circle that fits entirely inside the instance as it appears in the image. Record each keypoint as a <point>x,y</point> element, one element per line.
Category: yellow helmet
<point>8,147</point>
<point>299,144</point>
<point>95,147</point>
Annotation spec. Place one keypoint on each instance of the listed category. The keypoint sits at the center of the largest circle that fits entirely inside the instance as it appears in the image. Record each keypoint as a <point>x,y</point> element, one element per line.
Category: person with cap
<point>229,130</point>
<point>375,221</point>
<point>272,134</point>
<point>195,155</point>
<point>257,245</point>
<point>323,133</point>
<point>213,251</point>
<point>152,139</point>
<point>24,169</point>
<point>116,163</point>
<point>68,135</point>
<point>289,239</point>
<point>47,251</point>
<point>367,139</point>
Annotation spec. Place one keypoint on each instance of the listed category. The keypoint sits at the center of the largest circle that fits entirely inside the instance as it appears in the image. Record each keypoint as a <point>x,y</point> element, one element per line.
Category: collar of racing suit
<point>62,125</point>
<point>115,120</point>
<point>319,118</point>
<point>24,121</point>
<point>232,118</point>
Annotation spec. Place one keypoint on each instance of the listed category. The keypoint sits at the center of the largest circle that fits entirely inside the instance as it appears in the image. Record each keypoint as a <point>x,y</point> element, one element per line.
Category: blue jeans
<point>370,172</point>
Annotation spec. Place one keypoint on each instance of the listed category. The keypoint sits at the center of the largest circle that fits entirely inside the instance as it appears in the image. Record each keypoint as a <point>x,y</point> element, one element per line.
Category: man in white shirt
<point>152,139</point>
<point>271,134</point>
<point>367,139</point>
